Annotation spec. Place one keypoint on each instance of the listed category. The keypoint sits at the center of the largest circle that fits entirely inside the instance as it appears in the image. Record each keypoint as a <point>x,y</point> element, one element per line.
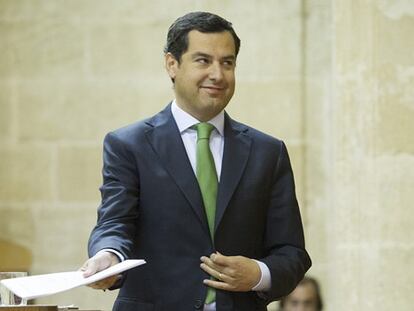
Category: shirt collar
<point>184,120</point>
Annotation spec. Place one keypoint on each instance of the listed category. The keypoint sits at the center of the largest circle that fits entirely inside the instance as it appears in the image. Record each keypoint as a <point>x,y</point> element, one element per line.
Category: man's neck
<point>200,116</point>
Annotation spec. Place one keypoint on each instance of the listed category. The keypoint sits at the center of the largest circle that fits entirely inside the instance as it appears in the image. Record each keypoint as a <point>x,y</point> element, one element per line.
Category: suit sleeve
<point>286,256</point>
<point>118,212</point>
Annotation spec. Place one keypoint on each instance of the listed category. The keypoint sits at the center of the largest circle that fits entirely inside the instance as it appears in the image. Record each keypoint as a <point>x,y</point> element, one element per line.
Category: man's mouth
<point>212,89</point>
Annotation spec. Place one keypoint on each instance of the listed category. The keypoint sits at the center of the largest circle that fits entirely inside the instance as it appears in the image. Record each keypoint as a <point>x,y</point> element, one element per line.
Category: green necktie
<point>207,180</point>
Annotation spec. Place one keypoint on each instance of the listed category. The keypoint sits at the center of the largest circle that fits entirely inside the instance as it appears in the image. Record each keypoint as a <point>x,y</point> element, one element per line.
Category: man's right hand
<point>99,262</point>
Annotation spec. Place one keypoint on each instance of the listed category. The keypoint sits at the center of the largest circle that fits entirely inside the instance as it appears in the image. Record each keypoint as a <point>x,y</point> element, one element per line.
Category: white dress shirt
<point>189,136</point>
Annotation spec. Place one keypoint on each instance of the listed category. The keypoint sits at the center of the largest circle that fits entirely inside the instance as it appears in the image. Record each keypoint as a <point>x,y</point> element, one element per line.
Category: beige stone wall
<point>333,78</point>
<point>359,155</point>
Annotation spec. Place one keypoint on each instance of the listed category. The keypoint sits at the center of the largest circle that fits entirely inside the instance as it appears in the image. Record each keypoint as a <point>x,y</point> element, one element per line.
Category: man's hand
<point>99,262</point>
<point>232,273</point>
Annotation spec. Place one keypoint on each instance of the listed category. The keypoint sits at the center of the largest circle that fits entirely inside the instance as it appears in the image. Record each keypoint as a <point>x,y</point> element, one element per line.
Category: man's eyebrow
<point>201,54</point>
<point>230,57</point>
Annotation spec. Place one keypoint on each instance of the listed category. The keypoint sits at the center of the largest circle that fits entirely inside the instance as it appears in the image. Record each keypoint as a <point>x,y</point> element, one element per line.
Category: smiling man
<point>204,75</point>
<point>209,202</point>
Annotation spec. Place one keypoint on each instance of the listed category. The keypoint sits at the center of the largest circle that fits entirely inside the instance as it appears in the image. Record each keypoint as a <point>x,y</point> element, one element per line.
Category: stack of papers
<point>35,286</point>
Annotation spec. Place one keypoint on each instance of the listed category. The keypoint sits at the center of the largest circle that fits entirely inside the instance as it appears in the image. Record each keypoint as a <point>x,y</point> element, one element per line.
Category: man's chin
<point>214,100</point>
<point>212,108</point>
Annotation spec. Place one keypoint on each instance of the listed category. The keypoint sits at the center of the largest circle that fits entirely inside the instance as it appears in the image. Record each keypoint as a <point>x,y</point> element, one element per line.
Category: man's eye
<point>229,63</point>
<point>202,60</point>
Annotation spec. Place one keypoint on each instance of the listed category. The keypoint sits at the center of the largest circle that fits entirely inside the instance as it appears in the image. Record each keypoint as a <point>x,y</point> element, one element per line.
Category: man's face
<point>303,298</point>
<point>204,77</point>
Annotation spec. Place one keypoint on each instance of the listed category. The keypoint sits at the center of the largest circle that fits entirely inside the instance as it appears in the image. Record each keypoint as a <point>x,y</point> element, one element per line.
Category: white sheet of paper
<point>35,286</point>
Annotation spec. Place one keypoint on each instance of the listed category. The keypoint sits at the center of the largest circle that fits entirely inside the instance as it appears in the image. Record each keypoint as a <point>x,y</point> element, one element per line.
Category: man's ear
<point>171,65</point>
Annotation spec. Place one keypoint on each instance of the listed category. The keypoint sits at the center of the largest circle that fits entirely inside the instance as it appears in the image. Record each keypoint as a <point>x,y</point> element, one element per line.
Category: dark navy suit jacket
<point>152,209</point>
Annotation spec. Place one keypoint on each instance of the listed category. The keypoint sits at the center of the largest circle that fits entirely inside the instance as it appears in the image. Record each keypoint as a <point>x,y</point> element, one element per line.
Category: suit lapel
<point>166,141</point>
<point>236,153</point>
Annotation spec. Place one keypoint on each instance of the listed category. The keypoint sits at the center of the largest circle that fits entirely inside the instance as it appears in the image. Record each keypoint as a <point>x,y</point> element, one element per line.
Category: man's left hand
<point>231,273</point>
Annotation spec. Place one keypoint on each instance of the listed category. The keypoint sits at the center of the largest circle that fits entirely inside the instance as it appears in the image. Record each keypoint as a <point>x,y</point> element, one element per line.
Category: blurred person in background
<point>305,297</point>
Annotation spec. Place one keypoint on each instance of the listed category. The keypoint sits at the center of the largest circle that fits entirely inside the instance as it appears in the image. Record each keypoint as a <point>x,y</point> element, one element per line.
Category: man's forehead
<point>304,291</point>
<point>211,41</point>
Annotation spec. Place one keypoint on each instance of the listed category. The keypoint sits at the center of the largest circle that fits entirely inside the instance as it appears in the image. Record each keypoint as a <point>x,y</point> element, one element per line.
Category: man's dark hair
<point>177,37</point>
<point>315,284</point>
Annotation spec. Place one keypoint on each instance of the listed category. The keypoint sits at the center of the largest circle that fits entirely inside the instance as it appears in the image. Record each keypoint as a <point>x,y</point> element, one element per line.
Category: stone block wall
<point>359,151</point>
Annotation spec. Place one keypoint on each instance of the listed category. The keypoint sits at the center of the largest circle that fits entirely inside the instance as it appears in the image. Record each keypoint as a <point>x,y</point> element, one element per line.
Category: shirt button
<point>198,304</point>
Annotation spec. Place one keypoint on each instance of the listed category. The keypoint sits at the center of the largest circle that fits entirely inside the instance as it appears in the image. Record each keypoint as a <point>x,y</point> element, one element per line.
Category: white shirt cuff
<point>118,254</point>
<point>265,279</point>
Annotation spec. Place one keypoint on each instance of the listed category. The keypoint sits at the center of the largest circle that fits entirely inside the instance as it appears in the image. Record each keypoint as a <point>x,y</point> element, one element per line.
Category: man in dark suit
<point>208,202</point>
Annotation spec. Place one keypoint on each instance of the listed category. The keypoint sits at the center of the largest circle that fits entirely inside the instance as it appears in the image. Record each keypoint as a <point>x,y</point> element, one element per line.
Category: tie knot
<point>204,130</point>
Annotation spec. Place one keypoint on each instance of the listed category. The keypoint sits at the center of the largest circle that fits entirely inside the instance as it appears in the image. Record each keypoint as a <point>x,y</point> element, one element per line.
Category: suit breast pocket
<point>128,304</point>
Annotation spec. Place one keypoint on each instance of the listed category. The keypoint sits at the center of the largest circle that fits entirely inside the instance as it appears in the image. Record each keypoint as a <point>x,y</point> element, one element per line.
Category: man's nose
<point>216,72</point>
<point>300,307</point>
<point>304,307</point>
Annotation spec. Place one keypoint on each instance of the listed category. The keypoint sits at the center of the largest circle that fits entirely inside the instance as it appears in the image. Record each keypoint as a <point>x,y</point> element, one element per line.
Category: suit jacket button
<point>198,304</point>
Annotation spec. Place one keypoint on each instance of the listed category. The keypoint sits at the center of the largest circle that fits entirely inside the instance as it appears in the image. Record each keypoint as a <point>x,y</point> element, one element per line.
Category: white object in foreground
<point>35,286</point>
